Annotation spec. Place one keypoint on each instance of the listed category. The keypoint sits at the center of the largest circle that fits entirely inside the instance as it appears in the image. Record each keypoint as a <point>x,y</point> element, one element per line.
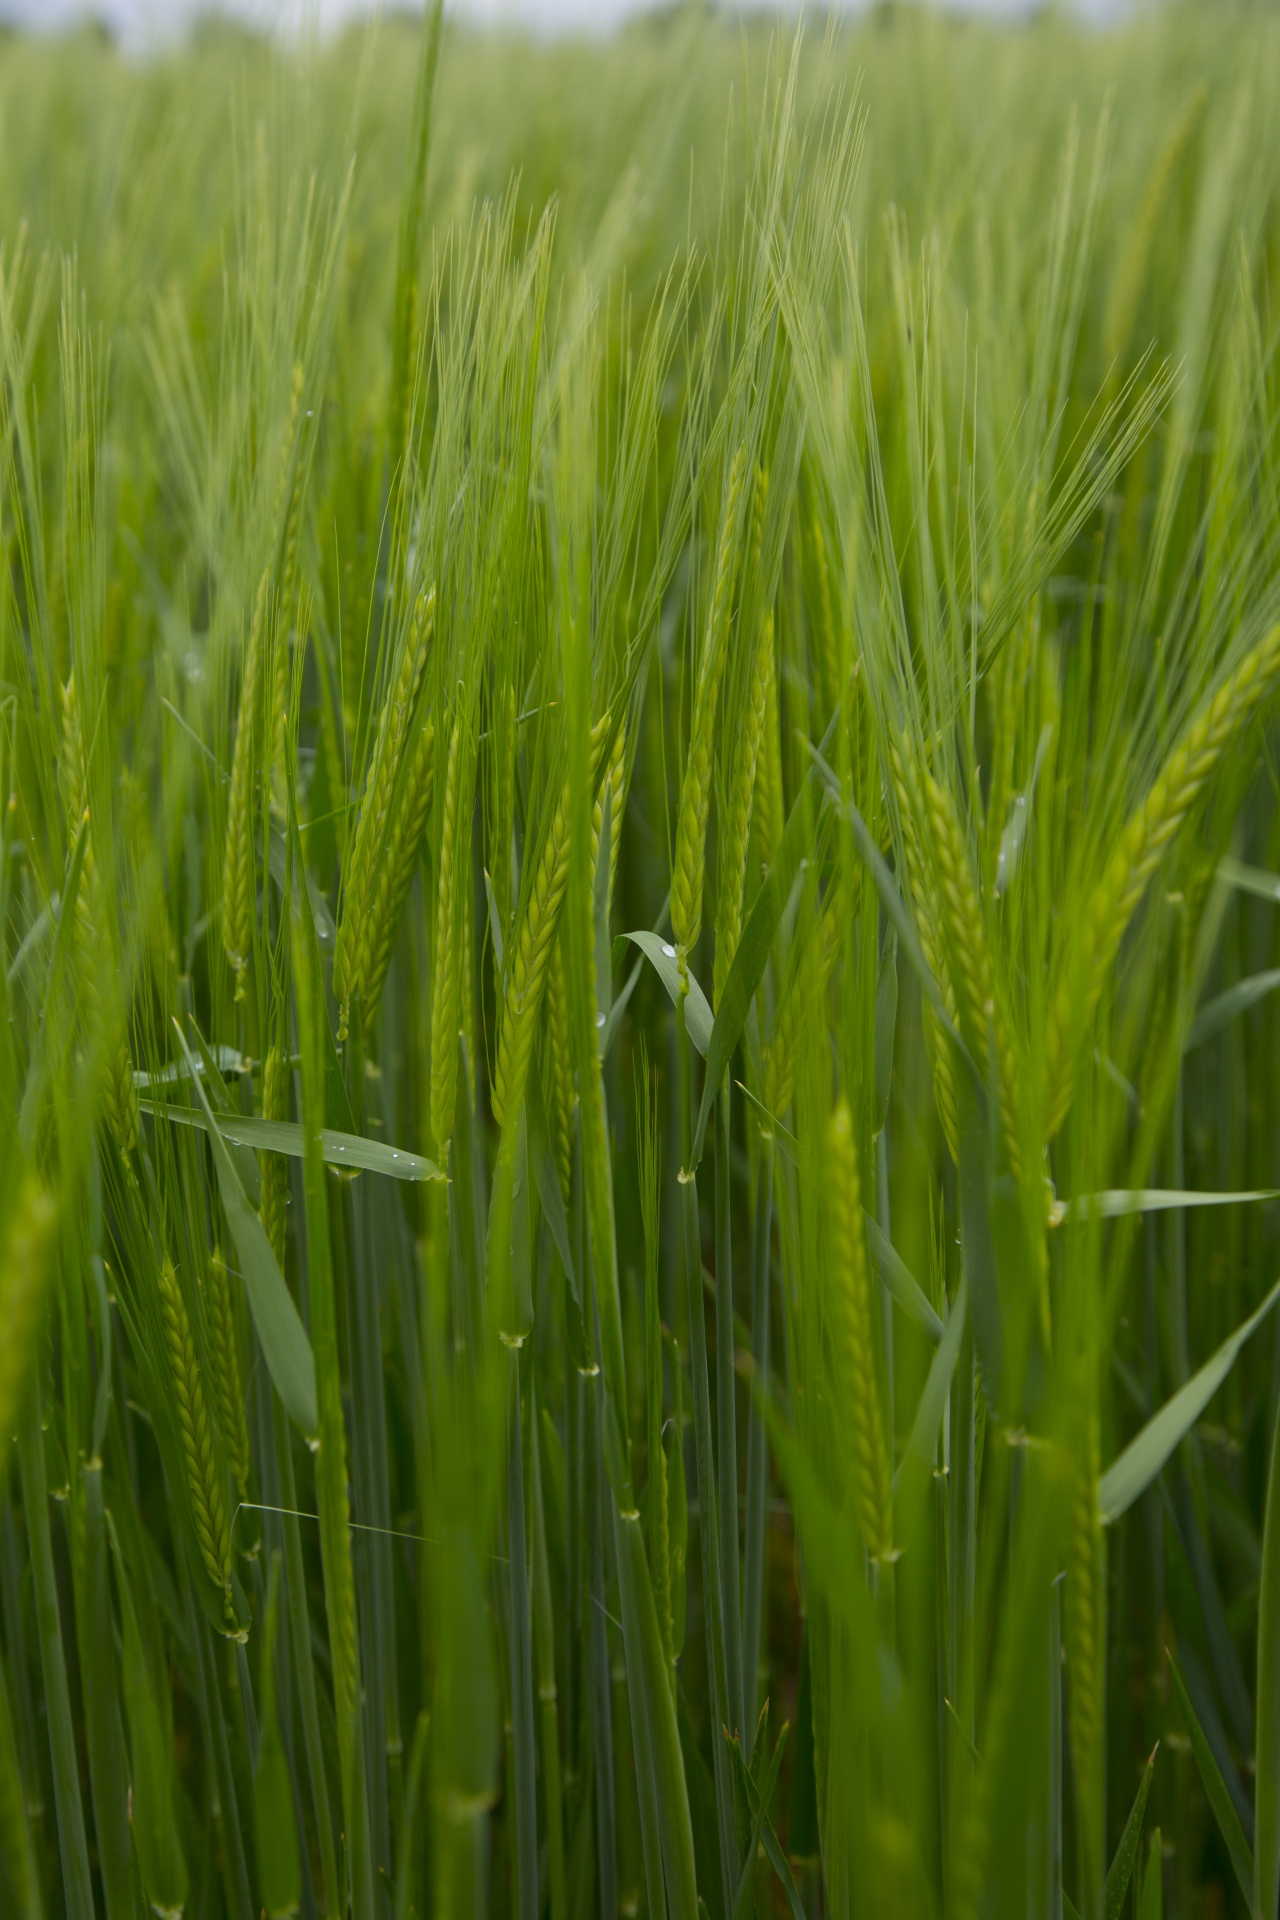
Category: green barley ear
<point>928,918</point>
<point>26,1259</point>
<point>855,1339</point>
<point>532,955</point>
<point>274,1174</point>
<point>237,863</point>
<point>444,972</point>
<point>1143,844</point>
<point>208,1507</point>
<point>695,792</point>
<point>614,784</point>
<point>226,1357</point>
<point>1084,1631</point>
<point>980,1012</point>
<point>733,861</point>
<point>358,932</point>
<point>398,866</point>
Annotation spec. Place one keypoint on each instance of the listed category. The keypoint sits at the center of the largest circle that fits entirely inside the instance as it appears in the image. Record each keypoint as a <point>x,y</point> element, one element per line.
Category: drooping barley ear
<point>695,792</point>
<point>853,1328</point>
<point>770,811</point>
<point>94,935</point>
<point>981,1014</point>
<point>928,918</point>
<point>237,862</point>
<point>26,1259</point>
<point>274,1167</point>
<point>225,1354</point>
<point>444,972</point>
<point>733,859</point>
<point>618,778</point>
<point>529,962</point>
<point>560,1069</point>
<point>397,868</point>
<point>1143,844</point>
<point>208,1507</point>
<point>356,936</point>
<point>1083,1623</point>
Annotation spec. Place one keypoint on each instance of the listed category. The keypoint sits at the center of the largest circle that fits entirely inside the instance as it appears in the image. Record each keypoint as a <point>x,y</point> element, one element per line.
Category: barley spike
<point>208,1507</point>
<point>1142,845</point>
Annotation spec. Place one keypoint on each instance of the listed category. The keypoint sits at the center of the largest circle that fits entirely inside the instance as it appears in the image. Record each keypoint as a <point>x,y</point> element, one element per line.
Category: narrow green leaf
<point>1254,880</point>
<point>1266,1886</point>
<point>1226,1007</point>
<point>1216,1790</point>
<point>1151,1898</point>
<point>285,1346</point>
<point>1116,1202</point>
<point>1143,1458</point>
<point>345,1150</point>
<point>900,1280</point>
<point>663,957</point>
<point>1120,1871</point>
<point>924,1428</point>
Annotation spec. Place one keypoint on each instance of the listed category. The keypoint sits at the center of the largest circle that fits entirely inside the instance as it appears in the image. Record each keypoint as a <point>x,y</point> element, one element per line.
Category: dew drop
<point>669,950</point>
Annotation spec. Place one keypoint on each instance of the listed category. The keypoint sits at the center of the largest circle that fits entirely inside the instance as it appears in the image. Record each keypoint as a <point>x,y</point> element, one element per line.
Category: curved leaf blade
<point>1132,1473</point>
<point>285,1346</point>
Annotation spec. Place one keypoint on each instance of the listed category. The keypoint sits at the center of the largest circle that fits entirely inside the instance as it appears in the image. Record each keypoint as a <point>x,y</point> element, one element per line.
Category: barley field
<point>639,923</point>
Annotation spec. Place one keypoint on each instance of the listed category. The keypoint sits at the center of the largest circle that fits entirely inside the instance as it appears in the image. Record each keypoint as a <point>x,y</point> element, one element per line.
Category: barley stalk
<point>208,1507</point>
<point>854,1334</point>
<point>733,863</point>
<point>25,1263</point>
<point>980,1011</point>
<point>359,931</point>
<point>532,954</point>
<point>770,812</point>
<point>928,919</point>
<point>397,868</point>
<point>226,1358</point>
<point>444,974</point>
<point>237,865</point>
<point>564,1096</point>
<point>807,985</point>
<point>1142,846</point>
<point>274,1167</point>
<point>695,793</point>
<point>94,937</point>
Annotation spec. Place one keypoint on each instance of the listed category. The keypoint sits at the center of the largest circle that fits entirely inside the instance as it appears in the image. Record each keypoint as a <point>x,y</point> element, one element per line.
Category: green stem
<point>727,1428</point>
<point>704,1453</point>
<point>76,1885</point>
<point>757,1453</point>
<point>521,1653</point>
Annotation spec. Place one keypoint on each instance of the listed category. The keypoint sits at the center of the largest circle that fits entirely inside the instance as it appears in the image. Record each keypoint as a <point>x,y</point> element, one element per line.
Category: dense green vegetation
<point>638,903</point>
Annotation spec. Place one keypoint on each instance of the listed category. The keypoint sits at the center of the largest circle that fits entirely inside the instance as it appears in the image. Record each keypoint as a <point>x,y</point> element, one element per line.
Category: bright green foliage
<point>638,1047</point>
